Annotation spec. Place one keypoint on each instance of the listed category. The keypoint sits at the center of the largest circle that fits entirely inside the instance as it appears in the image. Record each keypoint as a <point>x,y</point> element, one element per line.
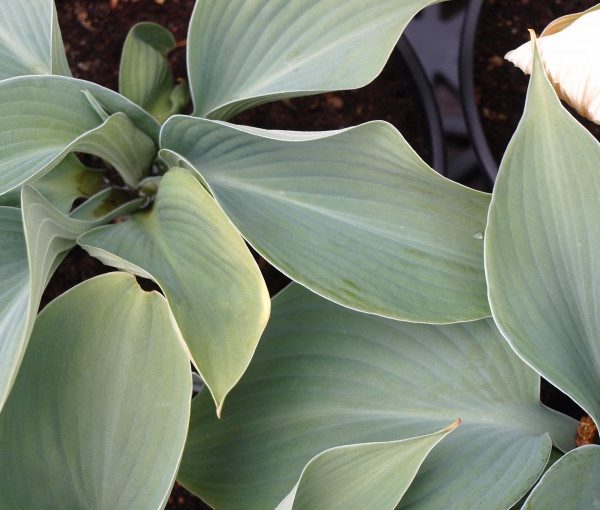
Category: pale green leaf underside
<point>212,283</point>
<point>369,475</point>
<point>571,483</point>
<point>67,181</point>
<point>29,256</point>
<point>145,76</point>
<point>542,246</point>
<point>99,413</point>
<point>61,186</point>
<point>122,145</point>
<point>43,118</point>
<point>30,40</point>
<point>325,376</point>
<point>241,54</point>
<point>355,215</point>
<point>105,206</point>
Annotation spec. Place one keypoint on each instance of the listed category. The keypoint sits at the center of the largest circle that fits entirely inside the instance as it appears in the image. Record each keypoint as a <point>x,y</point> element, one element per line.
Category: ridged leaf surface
<point>99,413</point>
<point>212,283</point>
<point>30,39</point>
<point>542,246</point>
<point>355,215</point>
<point>33,242</point>
<point>43,118</point>
<point>243,53</point>
<point>325,376</point>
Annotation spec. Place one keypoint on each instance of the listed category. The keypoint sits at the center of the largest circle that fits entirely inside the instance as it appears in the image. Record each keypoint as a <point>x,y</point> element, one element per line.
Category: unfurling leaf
<point>145,77</point>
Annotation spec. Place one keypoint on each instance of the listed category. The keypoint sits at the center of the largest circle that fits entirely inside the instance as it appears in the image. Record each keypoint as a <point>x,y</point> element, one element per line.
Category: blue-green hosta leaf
<point>241,54</point>
<point>33,242</point>
<point>99,413</point>
<point>145,76</point>
<point>571,483</point>
<point>43,118</point>
<point>355,215</point>
<point>368,475</point>
<point>325,376</point>
<point>173,160</point>
<point>542,246</point>
<point>30,40</point>
<point>212,283</point>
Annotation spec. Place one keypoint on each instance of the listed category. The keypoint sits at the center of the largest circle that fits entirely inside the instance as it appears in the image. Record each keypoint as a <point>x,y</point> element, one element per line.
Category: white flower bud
<point>570,51</point>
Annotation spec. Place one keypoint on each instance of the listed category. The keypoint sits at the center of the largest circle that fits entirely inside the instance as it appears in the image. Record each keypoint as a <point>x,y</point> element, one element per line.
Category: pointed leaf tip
<point>363,475</point>
<point>287,48</point>
<point>541,242</point>
<point>214,287</point>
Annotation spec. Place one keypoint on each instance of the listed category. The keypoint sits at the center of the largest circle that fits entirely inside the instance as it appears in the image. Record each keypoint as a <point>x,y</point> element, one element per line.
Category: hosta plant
<point>371,360</point>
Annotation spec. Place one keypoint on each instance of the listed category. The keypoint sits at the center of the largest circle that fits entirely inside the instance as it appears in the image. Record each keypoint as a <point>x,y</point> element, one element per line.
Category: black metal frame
<point>405,51</point>
<point>467,90</point>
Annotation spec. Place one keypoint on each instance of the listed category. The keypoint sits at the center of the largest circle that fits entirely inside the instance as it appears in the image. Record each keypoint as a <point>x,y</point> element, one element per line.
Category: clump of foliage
<point>419,304</point>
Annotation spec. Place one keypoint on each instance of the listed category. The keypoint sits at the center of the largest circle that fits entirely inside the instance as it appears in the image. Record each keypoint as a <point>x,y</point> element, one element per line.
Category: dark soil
<point>181,499</point>
<point>75,268</point>
<point>500,87</point>
<point>391,97</point>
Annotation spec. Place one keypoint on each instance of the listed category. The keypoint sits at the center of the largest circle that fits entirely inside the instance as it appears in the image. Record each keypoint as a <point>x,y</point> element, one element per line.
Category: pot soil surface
<point>94,32</point>
<point>500,87</point>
